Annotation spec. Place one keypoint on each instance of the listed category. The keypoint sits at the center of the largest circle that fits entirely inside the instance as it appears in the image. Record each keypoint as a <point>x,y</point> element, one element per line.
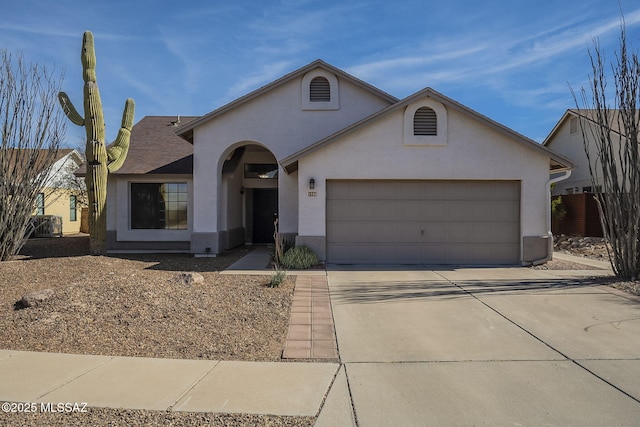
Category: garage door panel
<point>505,210</point>
<point>435,253</point>
<point>433,210</point>
<point>440,222</point>
<point>433,232</point>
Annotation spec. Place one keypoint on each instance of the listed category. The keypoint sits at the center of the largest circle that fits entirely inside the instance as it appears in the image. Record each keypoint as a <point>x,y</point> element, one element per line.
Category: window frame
<point>260,171</point>
<point>164,217</point>
<point>40,204</point>
<point>73,208</point>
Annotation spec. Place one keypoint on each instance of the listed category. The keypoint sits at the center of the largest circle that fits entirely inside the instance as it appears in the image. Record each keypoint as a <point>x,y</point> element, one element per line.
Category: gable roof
<point>591,115</point>
<point>156,149</point>
<point>37,158</point>
<point>557,161</point>
<point>186,131</point>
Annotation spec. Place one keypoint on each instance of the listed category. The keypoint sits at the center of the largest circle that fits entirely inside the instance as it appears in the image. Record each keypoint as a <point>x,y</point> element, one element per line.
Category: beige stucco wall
<point>473,151</point>
<point>278,122</point>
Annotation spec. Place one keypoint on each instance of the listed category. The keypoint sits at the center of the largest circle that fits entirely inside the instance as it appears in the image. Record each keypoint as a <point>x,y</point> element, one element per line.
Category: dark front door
<point>265,211</point>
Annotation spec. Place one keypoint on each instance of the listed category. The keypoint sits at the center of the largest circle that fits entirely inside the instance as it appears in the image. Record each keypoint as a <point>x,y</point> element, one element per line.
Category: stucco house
<point>350,171</point>
<point>566,138</point>
<point>62,194</point>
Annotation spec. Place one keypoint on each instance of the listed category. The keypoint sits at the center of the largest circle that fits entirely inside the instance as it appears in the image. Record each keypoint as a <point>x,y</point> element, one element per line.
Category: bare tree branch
<point>610,135</point>
<point>31,131</point>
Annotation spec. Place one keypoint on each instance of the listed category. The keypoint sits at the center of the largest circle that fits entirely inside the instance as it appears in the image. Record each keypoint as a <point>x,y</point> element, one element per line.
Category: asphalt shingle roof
<point>156,149</point>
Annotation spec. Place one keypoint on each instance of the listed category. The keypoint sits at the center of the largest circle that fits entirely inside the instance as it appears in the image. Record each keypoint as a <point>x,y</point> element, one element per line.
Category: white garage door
<point>423,222</point>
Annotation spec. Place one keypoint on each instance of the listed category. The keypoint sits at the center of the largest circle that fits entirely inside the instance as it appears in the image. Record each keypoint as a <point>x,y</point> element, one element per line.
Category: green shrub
<point>558,210</point>
<point>299,257</point>
<point>277,277</point>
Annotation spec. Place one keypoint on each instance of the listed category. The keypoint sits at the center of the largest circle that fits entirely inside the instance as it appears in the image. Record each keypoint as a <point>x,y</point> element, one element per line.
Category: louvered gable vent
<point>425,122</point>
<point>319,90</point>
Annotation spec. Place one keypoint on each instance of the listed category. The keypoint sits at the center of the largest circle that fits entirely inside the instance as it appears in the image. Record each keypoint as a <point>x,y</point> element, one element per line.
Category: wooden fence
<point>582,218</point>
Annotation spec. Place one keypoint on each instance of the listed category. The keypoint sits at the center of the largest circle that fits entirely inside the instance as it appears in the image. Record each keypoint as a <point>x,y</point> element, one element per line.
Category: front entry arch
<point>249,202</point>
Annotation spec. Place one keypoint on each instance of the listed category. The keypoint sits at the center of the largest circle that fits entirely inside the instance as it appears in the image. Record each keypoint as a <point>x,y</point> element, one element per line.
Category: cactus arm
<point>70,110</point>
<point>117,152</point>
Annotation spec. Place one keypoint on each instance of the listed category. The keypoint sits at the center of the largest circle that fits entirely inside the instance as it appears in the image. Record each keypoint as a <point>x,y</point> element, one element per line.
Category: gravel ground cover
<point>107,417</point>
<point>133,305</point>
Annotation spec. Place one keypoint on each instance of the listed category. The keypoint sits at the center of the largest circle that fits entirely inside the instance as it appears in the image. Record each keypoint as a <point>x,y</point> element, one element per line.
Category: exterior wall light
<point>312,184</point>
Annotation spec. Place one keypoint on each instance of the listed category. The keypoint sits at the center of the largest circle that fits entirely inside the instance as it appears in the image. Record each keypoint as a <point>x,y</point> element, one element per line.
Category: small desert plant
<point>558,210</point>
<point>283,242</point>
<point>277,277</point>
<point>299,257</point>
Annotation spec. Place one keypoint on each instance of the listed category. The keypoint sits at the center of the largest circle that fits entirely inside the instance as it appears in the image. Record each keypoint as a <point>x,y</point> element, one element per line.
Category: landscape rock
<point>34,299</point>
<point>189,278</point>
<point>590,247</point>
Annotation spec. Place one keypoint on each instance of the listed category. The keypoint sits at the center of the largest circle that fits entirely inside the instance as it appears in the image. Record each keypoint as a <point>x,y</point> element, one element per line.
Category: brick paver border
<point>311,332</point>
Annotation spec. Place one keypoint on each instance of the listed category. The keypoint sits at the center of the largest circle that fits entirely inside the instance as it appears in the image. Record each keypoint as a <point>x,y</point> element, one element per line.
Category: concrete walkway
<point>419,346</point>
<point>165,384</point>
<point>605,265</point>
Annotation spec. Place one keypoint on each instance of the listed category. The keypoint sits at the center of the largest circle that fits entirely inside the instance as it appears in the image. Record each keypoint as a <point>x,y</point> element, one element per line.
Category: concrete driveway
<point>475,346</point>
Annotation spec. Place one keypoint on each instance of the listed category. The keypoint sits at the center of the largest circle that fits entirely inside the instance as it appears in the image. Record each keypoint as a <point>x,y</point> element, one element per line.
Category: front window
<point>159,205</point>
<point>40,204</point>
<point>72,208</point>
<point>261,171</point>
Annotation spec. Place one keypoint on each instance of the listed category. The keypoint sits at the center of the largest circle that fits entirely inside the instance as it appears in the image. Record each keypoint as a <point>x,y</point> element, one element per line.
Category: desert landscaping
<point>140,305</point>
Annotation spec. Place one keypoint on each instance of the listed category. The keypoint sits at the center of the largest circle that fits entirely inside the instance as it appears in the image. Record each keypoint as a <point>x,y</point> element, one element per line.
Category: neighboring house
<point>350,171</point>
<point>62,194</point>
<point>566,138</point>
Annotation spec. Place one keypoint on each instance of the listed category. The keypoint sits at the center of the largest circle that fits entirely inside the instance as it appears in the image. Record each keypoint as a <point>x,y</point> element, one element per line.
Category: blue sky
<point>512,61</point>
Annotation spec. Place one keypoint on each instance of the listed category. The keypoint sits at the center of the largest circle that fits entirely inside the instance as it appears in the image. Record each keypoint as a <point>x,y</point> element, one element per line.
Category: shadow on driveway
<point>374,292</point>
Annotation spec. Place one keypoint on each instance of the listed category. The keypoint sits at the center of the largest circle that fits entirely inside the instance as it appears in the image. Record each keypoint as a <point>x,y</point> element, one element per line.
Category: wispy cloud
<point>485,56</point>
<point>49,32</point>
<point>266,74</point>
<point>56,32</point>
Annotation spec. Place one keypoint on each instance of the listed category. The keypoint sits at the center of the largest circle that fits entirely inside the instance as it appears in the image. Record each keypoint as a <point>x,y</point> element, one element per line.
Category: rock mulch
<point>168,306</point>
<point>171,306</point>
<point>590,247</point>
<point>107,417</point>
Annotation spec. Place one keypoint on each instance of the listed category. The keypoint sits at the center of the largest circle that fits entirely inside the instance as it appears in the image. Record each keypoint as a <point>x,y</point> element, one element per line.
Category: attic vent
<point>573,125</point>
<point>320,90</point>
<point>425,122</point>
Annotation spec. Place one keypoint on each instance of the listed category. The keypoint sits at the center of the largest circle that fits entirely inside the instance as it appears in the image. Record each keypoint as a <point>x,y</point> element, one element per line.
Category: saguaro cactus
<point>101,160</point>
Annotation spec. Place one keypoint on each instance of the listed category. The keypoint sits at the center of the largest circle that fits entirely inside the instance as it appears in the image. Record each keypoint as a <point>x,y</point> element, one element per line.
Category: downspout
<point>552,181</point>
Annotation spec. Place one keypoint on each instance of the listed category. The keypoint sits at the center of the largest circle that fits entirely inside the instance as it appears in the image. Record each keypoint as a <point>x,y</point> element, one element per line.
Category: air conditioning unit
<point>46,226</point>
